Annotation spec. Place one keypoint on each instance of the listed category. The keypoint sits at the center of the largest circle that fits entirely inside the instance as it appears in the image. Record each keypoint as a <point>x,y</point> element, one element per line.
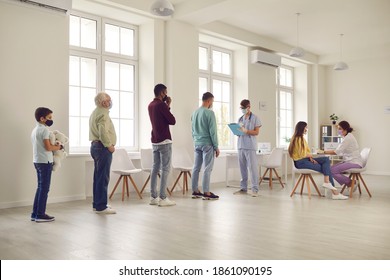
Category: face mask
<point>244,111</point>
<point>110,106</point>
<point>165,98</point>
<point>49,122</point>
<point>340,132</point>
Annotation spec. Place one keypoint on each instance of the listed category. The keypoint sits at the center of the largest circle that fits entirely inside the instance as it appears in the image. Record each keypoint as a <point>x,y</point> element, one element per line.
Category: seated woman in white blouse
<point>349,150</point>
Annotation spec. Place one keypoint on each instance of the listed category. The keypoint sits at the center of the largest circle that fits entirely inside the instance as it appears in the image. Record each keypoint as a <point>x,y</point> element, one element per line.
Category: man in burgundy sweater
<point>161,118</point>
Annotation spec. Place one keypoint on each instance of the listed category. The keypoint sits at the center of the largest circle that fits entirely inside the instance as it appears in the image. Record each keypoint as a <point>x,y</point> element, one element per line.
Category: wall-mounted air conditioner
<point>58,5</point>
<point>258,56</point>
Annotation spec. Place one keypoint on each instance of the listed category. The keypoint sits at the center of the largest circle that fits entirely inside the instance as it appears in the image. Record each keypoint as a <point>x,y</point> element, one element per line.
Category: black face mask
<point>49,122</point>
<point>165,98</point>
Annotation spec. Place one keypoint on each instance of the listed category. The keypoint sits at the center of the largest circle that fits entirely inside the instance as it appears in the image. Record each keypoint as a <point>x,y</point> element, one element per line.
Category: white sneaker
<point>329,186</point>
<point>154,201</point>
<point>166,202</point>
<point>106,211</point>
<point>339,196</point>
<point>255,194</point>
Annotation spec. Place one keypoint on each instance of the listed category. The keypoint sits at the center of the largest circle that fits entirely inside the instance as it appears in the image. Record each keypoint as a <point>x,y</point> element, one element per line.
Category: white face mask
<point>244,110</point>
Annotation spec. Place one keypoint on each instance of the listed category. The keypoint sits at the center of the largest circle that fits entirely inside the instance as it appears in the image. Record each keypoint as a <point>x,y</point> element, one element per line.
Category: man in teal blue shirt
<point>204,135</point>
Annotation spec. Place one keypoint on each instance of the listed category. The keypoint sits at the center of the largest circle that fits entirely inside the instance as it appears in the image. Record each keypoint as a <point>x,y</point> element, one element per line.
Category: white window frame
<point>280,88</point>
<point>103,56</point>
<point>210,76</point>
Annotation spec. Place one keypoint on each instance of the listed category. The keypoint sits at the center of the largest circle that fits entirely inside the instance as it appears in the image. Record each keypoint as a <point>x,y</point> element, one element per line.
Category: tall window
<point>108,64</point>
<point>215,75</point>
<point>285,91</point>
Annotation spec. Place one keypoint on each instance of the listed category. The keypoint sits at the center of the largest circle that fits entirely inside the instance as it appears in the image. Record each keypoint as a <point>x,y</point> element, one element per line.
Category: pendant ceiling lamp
<point>162,8</point>
<point>297,51</point>
<point>341,65</point>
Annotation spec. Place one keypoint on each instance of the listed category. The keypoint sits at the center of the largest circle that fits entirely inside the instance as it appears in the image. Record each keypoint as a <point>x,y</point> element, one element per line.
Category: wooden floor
<point>272,226</point>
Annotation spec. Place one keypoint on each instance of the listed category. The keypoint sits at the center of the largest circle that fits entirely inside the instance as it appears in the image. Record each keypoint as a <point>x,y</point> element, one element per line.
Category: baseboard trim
<point>5,205</point>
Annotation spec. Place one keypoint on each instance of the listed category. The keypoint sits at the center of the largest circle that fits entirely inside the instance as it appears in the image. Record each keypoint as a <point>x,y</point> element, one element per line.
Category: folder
<point>236,129</point>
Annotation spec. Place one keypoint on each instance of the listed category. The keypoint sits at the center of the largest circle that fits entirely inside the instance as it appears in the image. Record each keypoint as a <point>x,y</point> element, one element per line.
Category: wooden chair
<point>355,174</point>
<point>274,160</point>
<point>122,165</point>
<point>305,177</point>
<point>182,162</point>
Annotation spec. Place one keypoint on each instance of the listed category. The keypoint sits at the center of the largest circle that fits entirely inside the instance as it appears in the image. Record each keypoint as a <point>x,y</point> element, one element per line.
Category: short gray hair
<point>100,98</point>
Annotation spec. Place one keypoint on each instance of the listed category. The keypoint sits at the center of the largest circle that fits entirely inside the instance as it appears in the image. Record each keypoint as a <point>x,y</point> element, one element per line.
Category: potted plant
<point>333,118</point>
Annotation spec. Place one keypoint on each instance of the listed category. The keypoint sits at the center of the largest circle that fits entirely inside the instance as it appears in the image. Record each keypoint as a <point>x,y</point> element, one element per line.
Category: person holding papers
<point>247,146</point>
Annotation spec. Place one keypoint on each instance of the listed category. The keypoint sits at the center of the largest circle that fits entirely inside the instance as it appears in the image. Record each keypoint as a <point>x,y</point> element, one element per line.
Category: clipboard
<point>235,128</point>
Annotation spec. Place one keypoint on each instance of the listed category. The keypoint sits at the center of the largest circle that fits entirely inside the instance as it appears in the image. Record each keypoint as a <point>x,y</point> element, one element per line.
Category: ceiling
<point>364,23</point>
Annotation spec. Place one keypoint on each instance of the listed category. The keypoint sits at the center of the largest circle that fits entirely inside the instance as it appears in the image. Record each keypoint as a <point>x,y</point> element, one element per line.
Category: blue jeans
<point>44,171</point>
<point>102,158</point>
<point>162,155</point>
<point>323,166</point>
<point>203,154</point>
<point>248,160</point>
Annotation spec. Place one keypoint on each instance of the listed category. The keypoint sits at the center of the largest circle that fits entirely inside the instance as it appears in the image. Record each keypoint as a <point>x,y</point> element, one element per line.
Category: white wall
<point>359,96</point>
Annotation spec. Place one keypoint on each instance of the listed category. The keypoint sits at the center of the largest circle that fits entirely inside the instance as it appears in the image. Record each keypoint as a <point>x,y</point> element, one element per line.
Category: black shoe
<point>197,195</point>
<point>210,196</point>
<point>44,218</point>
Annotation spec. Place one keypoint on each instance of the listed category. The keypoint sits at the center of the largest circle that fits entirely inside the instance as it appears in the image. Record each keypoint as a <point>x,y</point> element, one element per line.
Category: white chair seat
<point>123,166</point>
<point>305,177</point>
<point>126,172</point>
<point>272,162</point>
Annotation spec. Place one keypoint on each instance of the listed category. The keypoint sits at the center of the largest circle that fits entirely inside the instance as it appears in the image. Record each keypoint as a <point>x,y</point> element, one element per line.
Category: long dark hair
<point>345,125</point>
<point>298,136</point>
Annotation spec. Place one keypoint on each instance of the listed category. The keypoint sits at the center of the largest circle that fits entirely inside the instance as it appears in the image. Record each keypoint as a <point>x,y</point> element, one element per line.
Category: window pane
<point>88,72</point>
<point>74,101</point>
<point>217,62</point>
<point>226,92</point>
<point>111,38</point>
<point>217,90</point>
<point>202,86</point>
<point>126,138</point>
<point>127,105</point>
<point>114,111</point>
<point>74,71</point>
<point>74,31</point>
<point>111,76</point>
<point>282,101</point>
<point>88,33</point>
<point>203,59</point>
<point>84,132</point>
<point>127,41</point>
<point>87,101</point>
<point>126,77</point>
<point>226,63</point>
<point>74,131</point>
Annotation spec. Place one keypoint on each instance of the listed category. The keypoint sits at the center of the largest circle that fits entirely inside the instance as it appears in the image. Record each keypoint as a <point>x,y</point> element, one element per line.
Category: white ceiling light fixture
<point>297,51</point>
<point>341,65</point>
<point>162,8</point>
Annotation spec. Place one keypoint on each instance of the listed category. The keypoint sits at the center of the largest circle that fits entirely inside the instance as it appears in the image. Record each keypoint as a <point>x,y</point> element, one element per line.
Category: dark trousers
<point>102,158</point>
<point>44,171</point>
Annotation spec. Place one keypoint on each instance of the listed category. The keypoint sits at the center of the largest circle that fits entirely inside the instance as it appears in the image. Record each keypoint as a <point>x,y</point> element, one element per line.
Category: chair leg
<point>315,185</point>
<point>178,177</point>
<point>303,183</point>
<point>144,186</point>
<point>296,185</point>
<point>135,187</point>
<point>262,178</point>
<point>277,176</point>
<point>364,184</point>
<point>308,185</point>
<point>124,187</point>
<point>116,185</point>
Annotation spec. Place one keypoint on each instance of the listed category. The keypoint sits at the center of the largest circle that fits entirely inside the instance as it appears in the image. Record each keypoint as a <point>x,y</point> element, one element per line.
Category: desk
<point>232,162</point>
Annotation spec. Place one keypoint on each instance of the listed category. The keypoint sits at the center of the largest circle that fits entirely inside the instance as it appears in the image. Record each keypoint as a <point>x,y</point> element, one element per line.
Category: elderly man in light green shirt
<point>103,139</point>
